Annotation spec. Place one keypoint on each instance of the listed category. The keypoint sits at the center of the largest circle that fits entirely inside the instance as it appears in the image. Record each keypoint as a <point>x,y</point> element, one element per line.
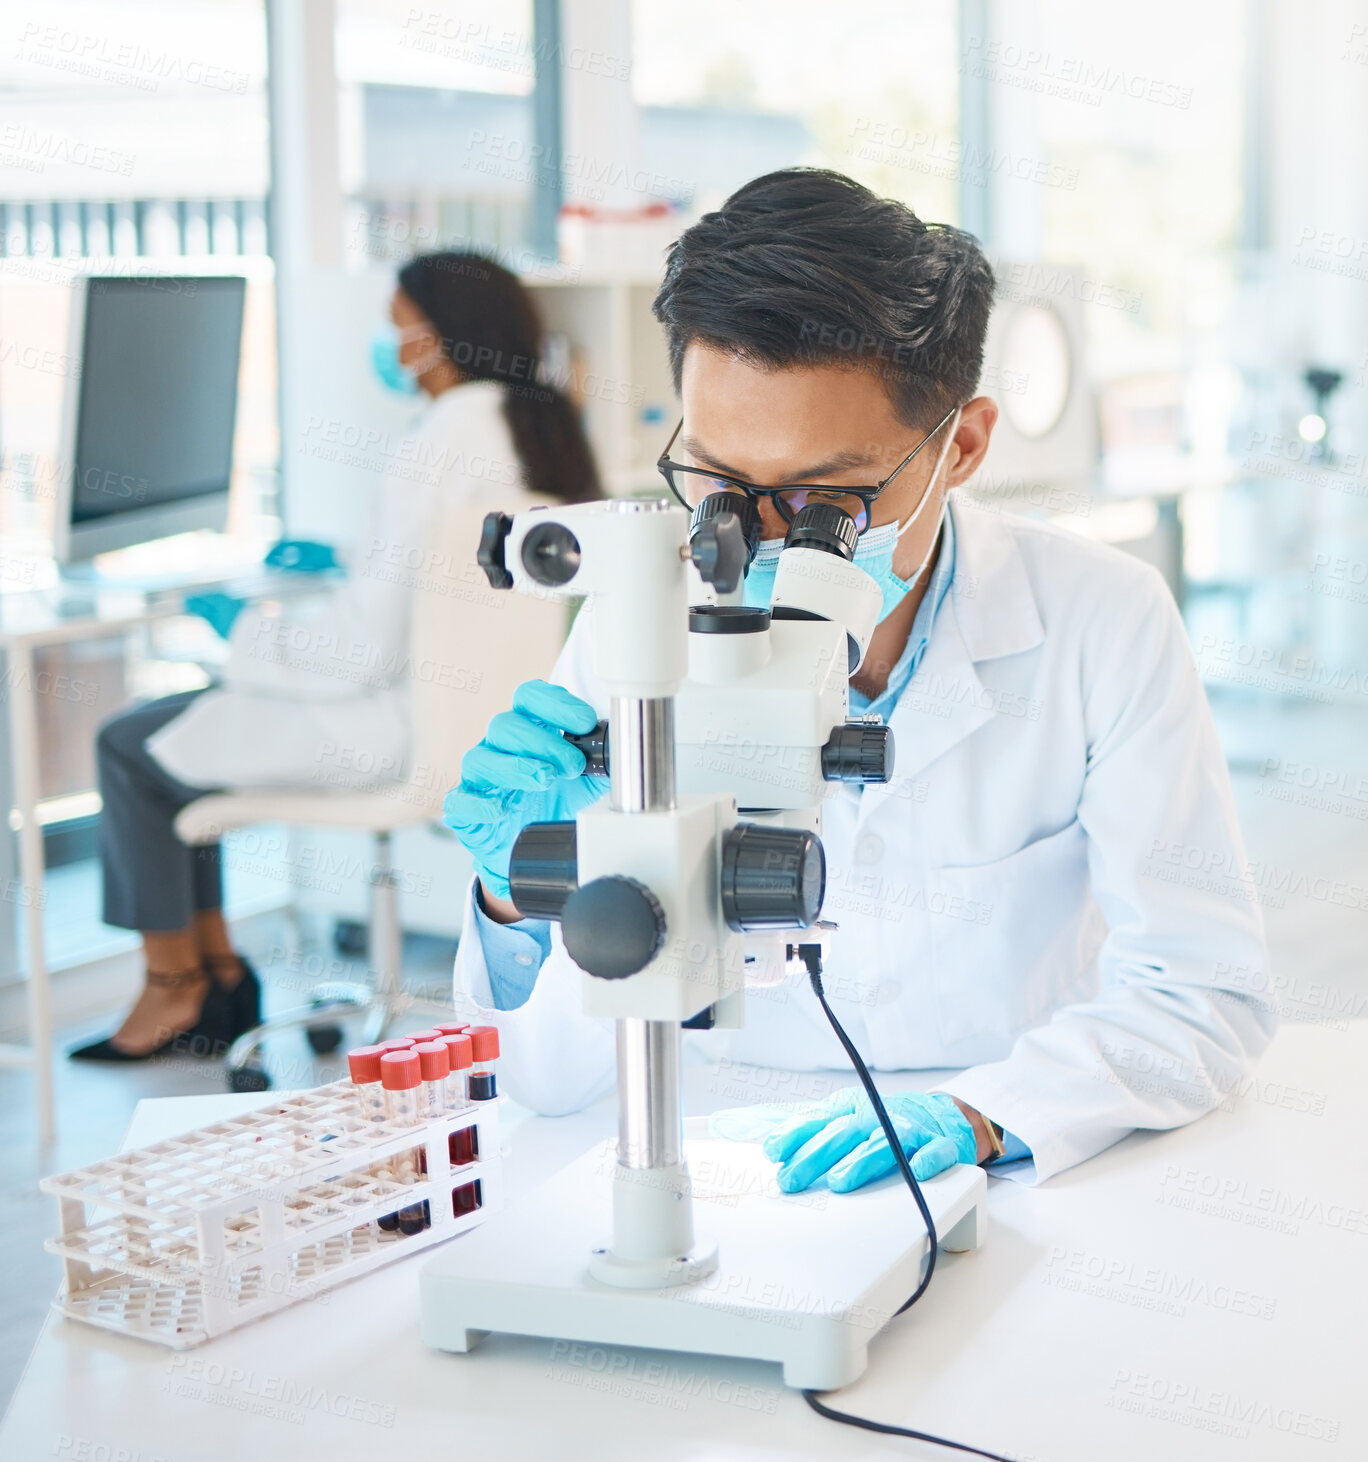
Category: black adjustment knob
<point>859,751</point>
<point>542,871</point>
<point>826,527</point>
<point>613,927</point>
<point>738,505</point>
<point>772,877</point>
<point>551,554</point>
<point>594,745</point>
<point>712,538</point>
<point>490,554</point>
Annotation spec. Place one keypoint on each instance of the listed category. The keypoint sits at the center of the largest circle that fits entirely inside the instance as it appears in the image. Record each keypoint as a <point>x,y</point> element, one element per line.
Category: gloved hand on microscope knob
<point>524,771</point>
<point>841,1138</point>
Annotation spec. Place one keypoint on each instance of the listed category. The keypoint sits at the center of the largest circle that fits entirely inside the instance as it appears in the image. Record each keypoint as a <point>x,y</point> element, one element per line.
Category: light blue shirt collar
<point>920,635</point>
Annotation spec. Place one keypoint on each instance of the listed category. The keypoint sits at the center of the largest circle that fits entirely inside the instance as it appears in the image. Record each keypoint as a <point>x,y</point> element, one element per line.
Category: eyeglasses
<point>857,501</point>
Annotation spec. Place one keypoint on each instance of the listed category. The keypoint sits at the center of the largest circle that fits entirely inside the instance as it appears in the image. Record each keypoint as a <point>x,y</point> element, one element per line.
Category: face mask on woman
<point>385,362</point>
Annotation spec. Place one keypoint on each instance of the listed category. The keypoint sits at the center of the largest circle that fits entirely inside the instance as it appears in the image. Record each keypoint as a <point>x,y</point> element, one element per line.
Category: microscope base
<point>806,1280</point>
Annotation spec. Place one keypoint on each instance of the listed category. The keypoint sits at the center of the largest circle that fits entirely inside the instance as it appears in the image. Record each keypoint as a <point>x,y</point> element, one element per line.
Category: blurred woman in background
<point>301,683</point>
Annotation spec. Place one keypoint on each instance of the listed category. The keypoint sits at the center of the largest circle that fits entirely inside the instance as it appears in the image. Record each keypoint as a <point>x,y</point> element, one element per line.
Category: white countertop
<point>1195,1294</point>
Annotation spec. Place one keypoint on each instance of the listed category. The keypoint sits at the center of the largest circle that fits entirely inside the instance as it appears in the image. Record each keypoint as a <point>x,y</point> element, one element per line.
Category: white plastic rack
<point>188,1238</point>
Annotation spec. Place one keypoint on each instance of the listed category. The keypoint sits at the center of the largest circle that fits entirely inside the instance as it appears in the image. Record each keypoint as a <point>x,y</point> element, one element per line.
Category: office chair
<point>496,641</point>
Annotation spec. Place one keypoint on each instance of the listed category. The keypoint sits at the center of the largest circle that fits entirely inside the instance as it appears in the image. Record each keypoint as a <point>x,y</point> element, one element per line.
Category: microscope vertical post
<point>650,1124</point>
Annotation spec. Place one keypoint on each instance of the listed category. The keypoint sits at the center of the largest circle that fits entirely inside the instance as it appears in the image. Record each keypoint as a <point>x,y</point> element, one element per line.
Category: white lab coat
<point>1051,892</point>
<point>317,691</point>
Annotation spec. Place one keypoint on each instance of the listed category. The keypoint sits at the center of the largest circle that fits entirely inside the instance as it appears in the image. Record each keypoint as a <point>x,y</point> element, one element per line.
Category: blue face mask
<point>385,362</point>
<point>873,552</point>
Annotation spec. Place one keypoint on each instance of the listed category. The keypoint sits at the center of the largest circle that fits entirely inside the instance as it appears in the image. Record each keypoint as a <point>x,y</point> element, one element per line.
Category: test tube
<point>363,1064</point>
<point>466,1199</point>
<point>400,1075</point>
<point>413,1218</point>
<point>434,1068</point>
<point>452,1027</point>
<point>421,1037</point>
<point>484,1046</point>
<point>459,1060</point>
<point>396,1043</point>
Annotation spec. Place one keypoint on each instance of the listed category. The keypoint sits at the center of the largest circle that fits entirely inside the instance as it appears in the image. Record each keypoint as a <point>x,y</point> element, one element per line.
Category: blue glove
<point>219,610</point>
<point>523,771</point>
<point>841,1137</point>
<point>300,556</point>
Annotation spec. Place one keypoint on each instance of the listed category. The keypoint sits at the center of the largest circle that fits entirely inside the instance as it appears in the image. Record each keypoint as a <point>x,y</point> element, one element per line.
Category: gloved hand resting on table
<point>217,610</point>
<point>841,1137</point>
<point>523,771</point>
<point>301,556</point>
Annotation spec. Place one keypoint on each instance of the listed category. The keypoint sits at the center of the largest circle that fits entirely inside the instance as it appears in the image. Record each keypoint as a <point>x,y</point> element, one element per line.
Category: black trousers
<point>152,880</point>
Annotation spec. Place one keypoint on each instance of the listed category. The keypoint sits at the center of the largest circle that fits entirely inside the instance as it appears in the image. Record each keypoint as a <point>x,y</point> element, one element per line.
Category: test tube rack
<point>199,1234</point>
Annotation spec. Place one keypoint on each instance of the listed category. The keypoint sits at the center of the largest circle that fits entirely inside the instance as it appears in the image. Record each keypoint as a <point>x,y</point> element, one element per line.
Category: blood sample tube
<point>387,1222</point>
<point>484,1046</point>
<point>400,1075</point>
<point>434,1069</point>
<point>412,1217</point>
<point>419,1037</point>
<point>459,1058</point>
<point>363,1064</point>
<point>466,1199</point>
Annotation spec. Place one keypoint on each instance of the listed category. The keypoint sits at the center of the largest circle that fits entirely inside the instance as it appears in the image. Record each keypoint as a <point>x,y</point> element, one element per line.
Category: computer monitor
<point>147,447</point>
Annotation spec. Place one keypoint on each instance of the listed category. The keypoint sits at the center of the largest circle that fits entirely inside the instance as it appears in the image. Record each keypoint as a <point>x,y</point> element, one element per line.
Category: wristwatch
<point>995,1137</point>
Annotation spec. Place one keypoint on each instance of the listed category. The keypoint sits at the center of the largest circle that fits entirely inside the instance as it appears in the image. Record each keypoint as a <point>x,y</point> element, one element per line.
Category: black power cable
<point>811,955</point>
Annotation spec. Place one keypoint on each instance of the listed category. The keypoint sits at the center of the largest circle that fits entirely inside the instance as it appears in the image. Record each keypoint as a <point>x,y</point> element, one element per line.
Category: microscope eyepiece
<point>825,527</point>
<point>724,533</point>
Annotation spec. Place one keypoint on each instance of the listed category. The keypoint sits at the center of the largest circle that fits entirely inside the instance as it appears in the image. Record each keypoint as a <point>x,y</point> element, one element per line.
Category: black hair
<point>805,266</point>
<point>491,331</point>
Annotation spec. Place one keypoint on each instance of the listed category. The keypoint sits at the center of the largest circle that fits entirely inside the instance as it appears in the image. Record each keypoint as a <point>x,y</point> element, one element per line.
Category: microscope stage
<point>804,1279</point>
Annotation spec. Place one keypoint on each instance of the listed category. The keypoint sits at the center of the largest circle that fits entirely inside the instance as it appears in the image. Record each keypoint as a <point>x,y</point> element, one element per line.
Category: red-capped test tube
<point>363,1064</point>
<point>397,1043</point>
<point>422,1037</point>
<point>484,1044</point>
<point>434,1069</point>
<point>401,1075</point>
<point>452,1027</point>
<point>459,1060</point>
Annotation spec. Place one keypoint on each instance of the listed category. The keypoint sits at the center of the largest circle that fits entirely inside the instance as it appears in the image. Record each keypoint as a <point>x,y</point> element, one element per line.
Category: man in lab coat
<point>1050,892</point>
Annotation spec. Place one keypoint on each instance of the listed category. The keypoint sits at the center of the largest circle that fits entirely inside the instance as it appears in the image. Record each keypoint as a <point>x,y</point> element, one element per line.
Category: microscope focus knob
<point>542,870</point>
<point>859,751</point>
<point>613,927</point>
<point>719,548</point>
<point>490,554</point>
<point>772,877</point>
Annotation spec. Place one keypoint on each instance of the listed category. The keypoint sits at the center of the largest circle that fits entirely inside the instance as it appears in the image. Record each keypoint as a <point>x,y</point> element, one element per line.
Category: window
<point>729,92</point>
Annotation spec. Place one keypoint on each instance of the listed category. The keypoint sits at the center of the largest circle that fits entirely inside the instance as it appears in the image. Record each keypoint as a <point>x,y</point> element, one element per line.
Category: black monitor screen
<point>158,392</point>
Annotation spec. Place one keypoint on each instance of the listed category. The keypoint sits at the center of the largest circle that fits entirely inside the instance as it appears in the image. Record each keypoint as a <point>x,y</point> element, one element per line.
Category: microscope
<point>701,873</point>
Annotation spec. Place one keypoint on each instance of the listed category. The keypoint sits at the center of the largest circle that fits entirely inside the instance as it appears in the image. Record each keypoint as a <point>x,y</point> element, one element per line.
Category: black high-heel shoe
<point>243,1011</point>
<point>106,1051</point>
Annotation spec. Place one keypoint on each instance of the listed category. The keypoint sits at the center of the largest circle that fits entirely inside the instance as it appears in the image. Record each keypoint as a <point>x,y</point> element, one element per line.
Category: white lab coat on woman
<point>317,693</point>
<point>1051,892</point>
